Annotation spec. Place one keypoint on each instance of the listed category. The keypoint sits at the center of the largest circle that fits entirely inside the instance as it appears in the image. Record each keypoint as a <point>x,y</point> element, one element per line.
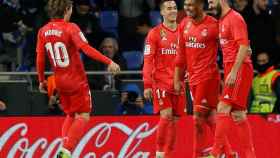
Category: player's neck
<point>200,17</point>
<point>225,10</point>
<point>170,25</point>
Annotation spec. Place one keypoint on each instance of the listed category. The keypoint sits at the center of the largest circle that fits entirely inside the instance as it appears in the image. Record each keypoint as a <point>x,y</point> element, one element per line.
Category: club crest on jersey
<point>187,27</point>
<point>204,32</point>
<point>223,28</point>
<point>163,35</point>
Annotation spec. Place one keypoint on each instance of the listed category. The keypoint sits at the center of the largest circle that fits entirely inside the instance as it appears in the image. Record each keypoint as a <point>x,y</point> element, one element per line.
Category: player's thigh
<point>81,101</point>
<point>212,88</point>
<point>237,96</point>
<point>179,103</point>
<point>161,100</point>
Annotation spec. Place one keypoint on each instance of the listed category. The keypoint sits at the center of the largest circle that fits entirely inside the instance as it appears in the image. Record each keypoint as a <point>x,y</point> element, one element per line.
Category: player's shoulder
<point>184,21</point>
<point>235,16</point>
<point>73,25</point>
<point>211,19</point>
<point>44,27</point>
<point>155,31</point>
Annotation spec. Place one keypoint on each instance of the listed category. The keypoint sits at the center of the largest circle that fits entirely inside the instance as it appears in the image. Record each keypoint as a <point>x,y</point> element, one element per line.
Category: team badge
<point>187,27</point>
<point>204,32</point>
<point>163,35</point>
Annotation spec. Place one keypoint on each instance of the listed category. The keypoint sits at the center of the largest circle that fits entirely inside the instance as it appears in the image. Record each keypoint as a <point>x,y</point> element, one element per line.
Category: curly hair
<point>57,8</point>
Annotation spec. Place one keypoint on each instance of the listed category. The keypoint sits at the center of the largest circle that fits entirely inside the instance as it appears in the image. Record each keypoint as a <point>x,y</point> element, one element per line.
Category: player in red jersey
<point>199,47</point>
<point>62,41</point>
<point>159,63</point>
<point>238,72</point>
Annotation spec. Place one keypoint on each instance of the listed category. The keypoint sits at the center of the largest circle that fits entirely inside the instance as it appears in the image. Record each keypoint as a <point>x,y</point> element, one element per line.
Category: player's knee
<point>167,114</point>
<point>239,116</point>
<point>224,108</point>
<point>201,110</point>
<point>198,121</point>
<point>85,116</point>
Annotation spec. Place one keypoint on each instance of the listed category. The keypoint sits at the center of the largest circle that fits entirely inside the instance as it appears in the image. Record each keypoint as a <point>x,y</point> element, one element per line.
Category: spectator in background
<point>110,48</point>
<point>13,31</point>
<point>276,19</point>
<point>266,87</point>
<point>3,106</point>
<point>84,17</point>
<point>132,103</point>
<point>260,27</point>
<point>243,7</point>
<point>106,4</point>
<point>134,23</point>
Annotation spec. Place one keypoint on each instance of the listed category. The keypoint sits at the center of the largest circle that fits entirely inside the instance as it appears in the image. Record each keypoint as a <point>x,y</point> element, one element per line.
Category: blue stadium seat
<point>134,59</point>
<point>131,87</point>
<point>155,18</point>
<point>109,20</point>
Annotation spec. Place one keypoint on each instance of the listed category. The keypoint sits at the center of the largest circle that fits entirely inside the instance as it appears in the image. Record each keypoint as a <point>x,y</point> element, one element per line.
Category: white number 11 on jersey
<point>55,54</point>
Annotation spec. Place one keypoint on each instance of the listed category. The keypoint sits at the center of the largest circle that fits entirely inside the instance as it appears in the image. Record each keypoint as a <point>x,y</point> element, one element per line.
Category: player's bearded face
<point>215,5</point>
<point>190,8</point>
<point>169,12</point>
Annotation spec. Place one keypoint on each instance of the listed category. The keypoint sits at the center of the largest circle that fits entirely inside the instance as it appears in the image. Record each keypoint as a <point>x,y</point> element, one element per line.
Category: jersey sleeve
<point>180,57</point>
<point>239,31</point>
<point>149,55</point>
<point>77,36</point>
<point>95,54</point>
<point>40,59</point>
<point>81,42</point>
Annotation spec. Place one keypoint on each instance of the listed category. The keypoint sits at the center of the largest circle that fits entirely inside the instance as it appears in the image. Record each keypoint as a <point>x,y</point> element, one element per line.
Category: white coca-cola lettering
<point>106,128</point>
<point>103,132</point>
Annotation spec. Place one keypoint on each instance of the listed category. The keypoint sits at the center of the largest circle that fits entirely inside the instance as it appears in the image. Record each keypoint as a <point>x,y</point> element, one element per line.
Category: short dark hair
<point>200,1</point>
<point>162,2</point>
<point>57,8</point>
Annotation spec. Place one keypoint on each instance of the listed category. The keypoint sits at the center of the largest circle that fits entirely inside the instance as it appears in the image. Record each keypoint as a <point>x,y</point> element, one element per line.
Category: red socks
<point>171,137</point>
<point>245,137</point>
<point>75,132</point>
<point>161,133</point>
<point>166,136</point>
<point>200,136</point>
<point>223,124</point>
<point>65,127</point>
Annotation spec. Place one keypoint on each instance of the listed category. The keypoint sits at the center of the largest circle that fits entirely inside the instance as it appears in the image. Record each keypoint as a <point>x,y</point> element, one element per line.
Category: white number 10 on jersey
<point>55,54</point>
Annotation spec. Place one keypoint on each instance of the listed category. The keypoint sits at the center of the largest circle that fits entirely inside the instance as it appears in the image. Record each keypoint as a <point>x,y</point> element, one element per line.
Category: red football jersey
<point>233,33</point>
<point>199,46</point>
<point>62,42</point>
<point>160,52</point>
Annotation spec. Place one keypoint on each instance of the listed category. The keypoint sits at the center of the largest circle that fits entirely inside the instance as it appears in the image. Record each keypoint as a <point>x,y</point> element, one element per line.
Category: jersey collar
<point>201,21</point>
<point>230,10</point>
<point>168,29</point>
<point>57,20</point>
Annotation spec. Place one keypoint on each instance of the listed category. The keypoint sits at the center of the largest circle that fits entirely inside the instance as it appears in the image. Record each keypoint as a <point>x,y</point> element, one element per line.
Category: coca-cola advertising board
<point>120,137</point>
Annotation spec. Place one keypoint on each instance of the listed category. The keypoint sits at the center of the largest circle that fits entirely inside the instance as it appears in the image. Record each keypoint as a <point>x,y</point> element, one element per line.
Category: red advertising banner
<point>119,137</point>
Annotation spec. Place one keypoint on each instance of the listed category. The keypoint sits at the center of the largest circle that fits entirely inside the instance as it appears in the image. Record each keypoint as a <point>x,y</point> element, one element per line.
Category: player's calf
<point>244,132</point>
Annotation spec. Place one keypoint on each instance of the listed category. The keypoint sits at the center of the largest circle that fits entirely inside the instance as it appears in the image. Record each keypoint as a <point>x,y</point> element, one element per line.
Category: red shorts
<point>206,93</point>
<point>79,102</point>
<point>237,96</point>
<point>163,99</point>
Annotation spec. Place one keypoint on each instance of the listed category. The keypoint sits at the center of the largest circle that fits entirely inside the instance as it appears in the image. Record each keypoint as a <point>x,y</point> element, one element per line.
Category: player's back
<point>57,39</point>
